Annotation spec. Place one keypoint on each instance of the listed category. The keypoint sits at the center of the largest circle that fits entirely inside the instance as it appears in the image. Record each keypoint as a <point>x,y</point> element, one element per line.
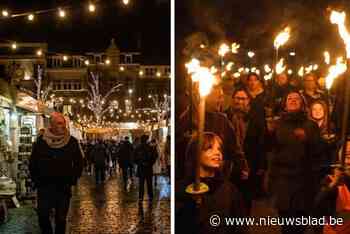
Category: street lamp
<point>31,17</point>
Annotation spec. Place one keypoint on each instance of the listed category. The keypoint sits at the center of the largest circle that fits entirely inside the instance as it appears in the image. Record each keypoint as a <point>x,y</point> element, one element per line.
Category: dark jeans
<point>57,197</point>
<point>99,173</point>
<point>131,170</point>
<point>125,170</point>
<point>148,179</point>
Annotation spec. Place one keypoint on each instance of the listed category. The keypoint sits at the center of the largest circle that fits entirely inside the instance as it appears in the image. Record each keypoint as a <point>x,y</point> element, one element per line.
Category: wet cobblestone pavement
<point>104,209</point>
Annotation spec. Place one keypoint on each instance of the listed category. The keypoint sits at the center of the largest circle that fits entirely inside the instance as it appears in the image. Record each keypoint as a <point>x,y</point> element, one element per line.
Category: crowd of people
<point>58,160</point>
<point>143,158</point>
<point>277,139</point>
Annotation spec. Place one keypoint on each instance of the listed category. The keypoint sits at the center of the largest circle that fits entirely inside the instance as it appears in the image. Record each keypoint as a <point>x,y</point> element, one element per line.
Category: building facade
<point>69,77</point>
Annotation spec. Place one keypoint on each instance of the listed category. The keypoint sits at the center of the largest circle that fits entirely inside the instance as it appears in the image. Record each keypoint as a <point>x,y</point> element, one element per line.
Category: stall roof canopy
<point>15,96</point>
<point>26,102</point>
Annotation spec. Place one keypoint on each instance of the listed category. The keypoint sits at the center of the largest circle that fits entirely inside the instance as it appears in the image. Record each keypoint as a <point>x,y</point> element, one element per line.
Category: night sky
<point>144,25</point>
<point>254,23</point>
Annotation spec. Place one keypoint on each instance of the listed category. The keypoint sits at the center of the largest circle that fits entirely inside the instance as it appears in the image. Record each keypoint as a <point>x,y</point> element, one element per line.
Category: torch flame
<point>308,69</point>
<point>327,57</point>
<point>223,49</point>
<point>192,66</point>
<point>213,70</point>
<point>267,68</point>
<point>268,76</point>
<point>234,48</point>
<point>280,67</point>
<point>301,71</point>
<point>335,71</point>
<point>229,66</point>
<point>282,38</point>
<point>339,19</point>
<point>203,75</point>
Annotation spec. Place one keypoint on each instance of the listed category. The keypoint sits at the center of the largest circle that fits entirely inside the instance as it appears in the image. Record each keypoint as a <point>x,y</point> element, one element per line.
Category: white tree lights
<point>96,102</point>
<point>41,93</point>
<point>161,105</point>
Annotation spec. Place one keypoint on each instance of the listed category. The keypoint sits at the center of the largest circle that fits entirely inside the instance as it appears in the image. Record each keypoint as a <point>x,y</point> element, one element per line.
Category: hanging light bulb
<point>31,17</point>
<point>92,7</point>
<point>126,2</point>
<point>5,13</point>
<point>87,62</point>
<point>65,57</point>
<point>14,46</point>
<point>39,53</point>
<point>61,13</point>
<point>108,61</point>
<point>141,73</point>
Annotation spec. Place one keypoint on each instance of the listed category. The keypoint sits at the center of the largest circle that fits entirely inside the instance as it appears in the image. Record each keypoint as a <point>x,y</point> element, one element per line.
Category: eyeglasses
<point>240,98</point>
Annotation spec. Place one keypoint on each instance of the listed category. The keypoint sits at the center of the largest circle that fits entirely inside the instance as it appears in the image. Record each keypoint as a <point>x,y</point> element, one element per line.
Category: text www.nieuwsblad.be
<point>216,220</point>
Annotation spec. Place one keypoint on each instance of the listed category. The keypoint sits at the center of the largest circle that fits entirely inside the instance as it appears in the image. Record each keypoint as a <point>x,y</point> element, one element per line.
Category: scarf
<point>56,141</point>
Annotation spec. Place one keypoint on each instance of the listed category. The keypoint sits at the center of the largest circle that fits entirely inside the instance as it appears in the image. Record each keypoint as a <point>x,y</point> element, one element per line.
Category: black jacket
<point>125,153</point>
<point>223,199</point>
<point>145,156</point>
<point>62,166</point>
<point>99,155</point>
<point>295,165</point>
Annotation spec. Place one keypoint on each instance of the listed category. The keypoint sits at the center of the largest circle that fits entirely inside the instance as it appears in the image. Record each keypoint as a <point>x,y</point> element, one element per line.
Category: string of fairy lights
<point>61,11</point>
<point>13,45</point>
<point>143,116</point>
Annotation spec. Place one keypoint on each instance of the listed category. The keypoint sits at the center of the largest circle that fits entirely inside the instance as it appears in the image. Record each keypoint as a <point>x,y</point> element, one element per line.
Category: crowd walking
<point>275,140</point>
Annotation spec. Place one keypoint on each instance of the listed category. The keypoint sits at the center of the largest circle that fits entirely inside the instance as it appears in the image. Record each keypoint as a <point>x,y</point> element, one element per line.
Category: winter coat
<point>222,199</point>
<point>253,145</point>
<point>326,199</point>
<point>125,153</point>
<point>99,155</point>
<point>61,166</point>
<point>145,156</point>
<point>295,163</point>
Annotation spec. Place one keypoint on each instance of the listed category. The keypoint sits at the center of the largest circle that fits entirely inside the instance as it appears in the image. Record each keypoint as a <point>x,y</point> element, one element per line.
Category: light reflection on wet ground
<point>107,208</point>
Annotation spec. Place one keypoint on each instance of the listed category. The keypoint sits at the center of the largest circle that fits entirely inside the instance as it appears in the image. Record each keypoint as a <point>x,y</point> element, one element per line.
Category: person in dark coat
<point>333,196</point>
<point>114,154</point>
<point>56,163</point>
<point>125,160</point>
<point>311,91</point>
<point>250,131</point>
<point>145,156</point>
<point>100,158</point>
<point>192,214</point>
<point>293,179</point>
<point>217,122</point>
